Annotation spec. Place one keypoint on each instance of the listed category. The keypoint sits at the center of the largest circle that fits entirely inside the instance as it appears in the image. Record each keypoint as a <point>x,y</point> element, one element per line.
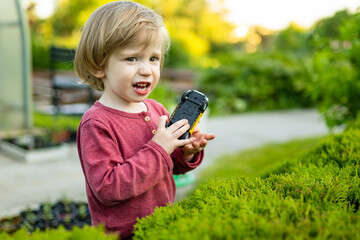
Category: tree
<point>193,25</point>
<point>293,38</point>
<point>336,72</point>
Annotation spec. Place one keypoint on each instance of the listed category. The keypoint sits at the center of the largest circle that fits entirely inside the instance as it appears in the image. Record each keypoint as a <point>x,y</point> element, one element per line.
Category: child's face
<point>132,73</point>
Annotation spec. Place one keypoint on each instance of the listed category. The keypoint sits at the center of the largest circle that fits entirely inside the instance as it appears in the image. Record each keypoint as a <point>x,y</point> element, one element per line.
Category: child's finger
<point>174,127</point>
<point>203,143</point>
<point>209,136</point>
<point>196,145</point>
<point>185,142</point>
<point>188,148</point>
<point>180,131</point>
<point>196,130</point>
<point>162,122</point>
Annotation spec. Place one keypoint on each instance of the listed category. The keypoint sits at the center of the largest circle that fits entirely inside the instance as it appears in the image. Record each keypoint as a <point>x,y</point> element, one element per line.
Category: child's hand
<point>168,137</point>
<point>199,143</point>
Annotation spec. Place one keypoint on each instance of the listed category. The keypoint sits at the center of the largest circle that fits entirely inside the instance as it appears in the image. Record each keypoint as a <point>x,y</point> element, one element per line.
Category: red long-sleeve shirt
<point>127,175</point>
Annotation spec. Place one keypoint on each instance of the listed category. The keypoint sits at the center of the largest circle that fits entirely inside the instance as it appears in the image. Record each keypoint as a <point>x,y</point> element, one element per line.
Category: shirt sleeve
<point>182,166</point>
<point>111,178</point>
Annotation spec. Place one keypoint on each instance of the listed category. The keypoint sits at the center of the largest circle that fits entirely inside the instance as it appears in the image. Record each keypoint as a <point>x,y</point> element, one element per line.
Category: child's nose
<point>145,68</point>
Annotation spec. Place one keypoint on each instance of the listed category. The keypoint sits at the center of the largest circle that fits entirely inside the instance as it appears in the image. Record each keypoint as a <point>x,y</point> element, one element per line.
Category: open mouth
<point>141,88</point>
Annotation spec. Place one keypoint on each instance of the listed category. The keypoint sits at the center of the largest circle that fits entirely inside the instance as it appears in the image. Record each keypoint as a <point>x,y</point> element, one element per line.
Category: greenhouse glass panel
<point>15,87</point>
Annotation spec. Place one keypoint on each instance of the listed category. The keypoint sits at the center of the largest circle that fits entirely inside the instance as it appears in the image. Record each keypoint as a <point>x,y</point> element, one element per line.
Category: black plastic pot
<point>62,213</point>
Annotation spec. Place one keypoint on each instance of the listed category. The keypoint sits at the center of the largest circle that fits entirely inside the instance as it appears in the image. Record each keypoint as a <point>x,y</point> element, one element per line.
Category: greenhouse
<point>15,67</point>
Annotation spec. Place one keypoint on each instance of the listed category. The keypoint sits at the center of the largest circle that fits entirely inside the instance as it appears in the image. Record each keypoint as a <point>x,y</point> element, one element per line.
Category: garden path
<point>23,185</point>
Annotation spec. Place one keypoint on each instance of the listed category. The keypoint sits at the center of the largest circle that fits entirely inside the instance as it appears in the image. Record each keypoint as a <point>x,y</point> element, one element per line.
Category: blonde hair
<point>112,26</point>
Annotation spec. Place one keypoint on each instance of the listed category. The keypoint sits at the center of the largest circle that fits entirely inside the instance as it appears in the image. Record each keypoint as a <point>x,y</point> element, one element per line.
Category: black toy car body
<point>191,107</point>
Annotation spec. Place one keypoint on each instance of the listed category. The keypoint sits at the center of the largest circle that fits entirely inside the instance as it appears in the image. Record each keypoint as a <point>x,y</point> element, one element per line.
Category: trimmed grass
<point>258,162</point>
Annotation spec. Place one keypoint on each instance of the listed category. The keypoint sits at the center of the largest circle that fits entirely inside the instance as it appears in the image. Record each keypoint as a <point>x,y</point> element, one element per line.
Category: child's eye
<point>154,59</point>
<point>131,59</point>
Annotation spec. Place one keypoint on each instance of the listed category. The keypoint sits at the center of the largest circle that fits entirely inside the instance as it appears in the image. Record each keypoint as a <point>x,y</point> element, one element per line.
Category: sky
<point>272,14</point>
<point>44,8</point>
<point>277,14</point>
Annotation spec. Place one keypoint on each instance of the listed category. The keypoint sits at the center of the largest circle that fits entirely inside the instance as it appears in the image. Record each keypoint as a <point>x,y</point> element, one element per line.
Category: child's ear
<point>99,74</point>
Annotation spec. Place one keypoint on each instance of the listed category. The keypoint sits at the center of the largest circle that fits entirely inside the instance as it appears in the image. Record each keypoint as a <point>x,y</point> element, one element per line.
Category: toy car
<point>191,107</point>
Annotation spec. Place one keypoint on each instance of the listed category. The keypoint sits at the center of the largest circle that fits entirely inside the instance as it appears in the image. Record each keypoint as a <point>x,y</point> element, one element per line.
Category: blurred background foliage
<point>264,70</point>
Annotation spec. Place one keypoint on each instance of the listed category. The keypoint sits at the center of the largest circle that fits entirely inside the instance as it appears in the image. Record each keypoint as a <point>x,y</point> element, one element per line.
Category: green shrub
<point>354,124</point>
<point>86,233</point>
<point>40,53</point>
<point>314,196</point>
<point>336,70</point>
<point>239,208</point>
<point>341,150</point>
<point>164,94</point>
<point>338,150</point>
<point>260,81</point>
<point>56,123</point>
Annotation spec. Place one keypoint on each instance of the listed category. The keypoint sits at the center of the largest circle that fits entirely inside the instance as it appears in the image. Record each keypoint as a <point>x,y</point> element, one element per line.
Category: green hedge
<point>334,83</point>
<point>314,196</point>
<point>258,81</point>
<point>86,233</point>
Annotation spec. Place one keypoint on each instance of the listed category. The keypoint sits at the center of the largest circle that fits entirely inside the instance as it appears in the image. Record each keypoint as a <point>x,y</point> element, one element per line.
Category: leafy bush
<point>260,81</point>
<point>40,53</point>
<point>240,208</point>
<point>314,196</point>
<point>354,124</point>
<point>336,71</point>
<point>340,151</point>
<point>86,233</point>
<point>62,128</point>
<point>56,123</point>
<point>164,94</point>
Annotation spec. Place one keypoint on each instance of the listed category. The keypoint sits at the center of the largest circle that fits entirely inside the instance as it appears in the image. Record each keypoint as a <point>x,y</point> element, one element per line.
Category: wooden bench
<point>62,59</point>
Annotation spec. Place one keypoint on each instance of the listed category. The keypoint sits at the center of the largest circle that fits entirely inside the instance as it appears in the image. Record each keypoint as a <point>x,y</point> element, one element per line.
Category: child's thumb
<point>162,121</point>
